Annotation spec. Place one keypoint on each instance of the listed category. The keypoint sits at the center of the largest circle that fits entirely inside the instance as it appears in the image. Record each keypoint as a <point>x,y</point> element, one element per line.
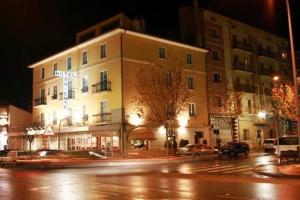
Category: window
<point>54,96</point>
<point>249,106</point>
<point>85,116</point>
<point>214,33</point>
<point>85,84</point>
<point>219,101</point>
<point>54,68</point>
<point>246,134</point>
<point>285,71</point>
<point>43,96</point>
<point>69,63</point>
<point>189,58</point>
<point>162,52</point>
<point>42,119</point>
<point>43,73</point>
<point>103,107</point>
<point>215,55</point>
<point>84,58</point>
<point>103,80</point>
<point>103,51</point>
<point>190,82</point>
<point>54,118</point>
<point>217,77</point>
<point>192,109</point>
<point>71,92</point>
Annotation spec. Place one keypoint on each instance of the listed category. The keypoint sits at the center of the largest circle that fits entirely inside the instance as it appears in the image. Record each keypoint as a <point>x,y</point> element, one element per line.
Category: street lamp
<point>293,65</point>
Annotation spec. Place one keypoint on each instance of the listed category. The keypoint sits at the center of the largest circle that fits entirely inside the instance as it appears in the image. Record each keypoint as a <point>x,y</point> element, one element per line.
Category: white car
<point>269,145</point>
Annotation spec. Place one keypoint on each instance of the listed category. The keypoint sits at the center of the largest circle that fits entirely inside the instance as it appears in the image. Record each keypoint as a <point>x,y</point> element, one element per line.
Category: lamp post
<point>293,65</point>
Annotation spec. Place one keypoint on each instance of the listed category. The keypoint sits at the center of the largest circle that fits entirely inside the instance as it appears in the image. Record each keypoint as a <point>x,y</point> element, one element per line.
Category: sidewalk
<point>282,171</point>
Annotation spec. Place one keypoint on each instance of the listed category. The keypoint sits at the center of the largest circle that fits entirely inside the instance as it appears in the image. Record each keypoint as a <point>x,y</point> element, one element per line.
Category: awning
<point>142,134</point>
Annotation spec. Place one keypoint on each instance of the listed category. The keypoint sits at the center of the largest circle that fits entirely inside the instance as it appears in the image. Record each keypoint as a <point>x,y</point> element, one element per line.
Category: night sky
<point>31,30</point>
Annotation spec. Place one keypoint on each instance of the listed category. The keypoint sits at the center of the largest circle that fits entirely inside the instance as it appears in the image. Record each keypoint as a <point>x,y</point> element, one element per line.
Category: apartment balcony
<point>84,89</point>
<point>70,95</point>
<point>101,87</point>
<point>102,118</point>
<point>242,46</point>
<point>40,101</point>
<point>245,88</point>
<point>268,73</point>
<point>267,53</point>
<point>241,66</point>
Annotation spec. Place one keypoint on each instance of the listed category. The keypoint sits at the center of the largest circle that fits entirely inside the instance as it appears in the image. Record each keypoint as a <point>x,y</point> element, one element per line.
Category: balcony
<point>84,89</point>
<point>54,96</point>
<point>267,53</point>
<point>244,88</point>
<point>241,45</point>
<point>102,118</point>
<point>101,87</point>
<point>40,101</point>
<point>70,95</point>
<point>268,72</point>
<point>243,67</point>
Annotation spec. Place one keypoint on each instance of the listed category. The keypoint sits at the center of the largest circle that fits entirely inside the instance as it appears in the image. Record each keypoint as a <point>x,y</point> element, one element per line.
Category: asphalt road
<point>229,178</point>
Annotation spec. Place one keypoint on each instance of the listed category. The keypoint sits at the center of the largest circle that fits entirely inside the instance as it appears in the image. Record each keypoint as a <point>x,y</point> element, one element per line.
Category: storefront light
<point>182,120</point>
<point>136,119</point>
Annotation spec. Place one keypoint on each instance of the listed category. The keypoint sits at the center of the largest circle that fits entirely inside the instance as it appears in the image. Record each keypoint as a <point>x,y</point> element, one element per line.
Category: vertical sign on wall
<point>66,76</point>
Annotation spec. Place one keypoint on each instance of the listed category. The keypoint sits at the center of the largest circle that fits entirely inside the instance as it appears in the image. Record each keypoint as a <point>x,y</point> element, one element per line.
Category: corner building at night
<point>85,93</point>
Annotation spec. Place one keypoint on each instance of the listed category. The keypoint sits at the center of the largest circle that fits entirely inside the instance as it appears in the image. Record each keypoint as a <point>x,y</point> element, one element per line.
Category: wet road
<point>206,179</point>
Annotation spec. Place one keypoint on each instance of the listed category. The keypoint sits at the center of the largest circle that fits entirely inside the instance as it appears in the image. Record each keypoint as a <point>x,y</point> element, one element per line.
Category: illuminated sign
<point>66,76</point>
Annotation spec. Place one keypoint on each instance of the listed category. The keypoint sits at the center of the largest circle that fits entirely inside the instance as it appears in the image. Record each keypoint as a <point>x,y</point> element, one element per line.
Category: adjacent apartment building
<point>83,95</point>
<point>244,59</point>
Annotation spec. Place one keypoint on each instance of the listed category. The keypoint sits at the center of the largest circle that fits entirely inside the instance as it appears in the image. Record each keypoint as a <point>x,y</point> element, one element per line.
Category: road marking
<point>40,188</point>
<point>240,170</point>
<point>230,168</point>
<point>219,167</point>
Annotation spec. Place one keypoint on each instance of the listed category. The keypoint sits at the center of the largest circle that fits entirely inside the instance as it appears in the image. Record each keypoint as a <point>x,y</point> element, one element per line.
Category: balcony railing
<point>102,118</point>
<point>243,67</point>
<point>40,101</point>
<point>241,45</point>
<point>84,89</point>
<point>85,117</point>
<point>70,95</point>
<point>245,88</point>
<point>101,87</point>
<point>267,53</point>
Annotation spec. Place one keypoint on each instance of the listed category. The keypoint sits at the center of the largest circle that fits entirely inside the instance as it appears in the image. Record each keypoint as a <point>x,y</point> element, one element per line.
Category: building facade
<point>85,93</point>
<point>13,124</point>
<point>245,59</point>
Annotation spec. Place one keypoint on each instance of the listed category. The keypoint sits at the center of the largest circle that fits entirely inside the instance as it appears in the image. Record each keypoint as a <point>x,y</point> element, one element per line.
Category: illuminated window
<point>162,52</point>
<point>217,77</point>
<point>54,68</point>
<point>103,51</point>
<point>69,63</point>
<point>43,73</point>
<point>84,57</point>
<point>190,82</point>
<point>189,58</point>
<point>192,111</point>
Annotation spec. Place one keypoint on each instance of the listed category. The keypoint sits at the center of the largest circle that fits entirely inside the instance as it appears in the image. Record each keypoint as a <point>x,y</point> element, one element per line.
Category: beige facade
<point>100,97</point>
<point>246,59</point>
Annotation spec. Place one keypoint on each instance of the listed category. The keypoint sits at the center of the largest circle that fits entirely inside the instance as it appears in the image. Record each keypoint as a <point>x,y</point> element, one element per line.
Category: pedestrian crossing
<point>204,168</point>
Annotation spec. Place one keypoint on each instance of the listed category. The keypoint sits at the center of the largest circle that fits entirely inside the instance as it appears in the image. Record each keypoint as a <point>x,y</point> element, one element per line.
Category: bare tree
<point>163,88</point>
<point>226,103</point>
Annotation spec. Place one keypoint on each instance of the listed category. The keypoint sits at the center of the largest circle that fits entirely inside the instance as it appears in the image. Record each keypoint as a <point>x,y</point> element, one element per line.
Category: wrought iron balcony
<point>101,87</point>
<point>102,118</point>
<point>241,45</point>
<point>245,88</point>
<point>40,101</point>
<point>243,67</point>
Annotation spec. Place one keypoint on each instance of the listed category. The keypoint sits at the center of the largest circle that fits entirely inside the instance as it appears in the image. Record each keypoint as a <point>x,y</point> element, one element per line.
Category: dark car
<point>3,153</point>
<point>235,148</point>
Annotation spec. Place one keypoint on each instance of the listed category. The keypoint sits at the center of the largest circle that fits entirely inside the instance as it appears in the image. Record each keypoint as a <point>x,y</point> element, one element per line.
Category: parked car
<point>198,150</point>
<point>3,153</point>
<point>12,157</point>
<point>235,148</point>
<point>269,145</point>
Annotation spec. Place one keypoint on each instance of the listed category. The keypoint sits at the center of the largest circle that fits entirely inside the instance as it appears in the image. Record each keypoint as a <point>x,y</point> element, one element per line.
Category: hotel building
<point>92,108</point>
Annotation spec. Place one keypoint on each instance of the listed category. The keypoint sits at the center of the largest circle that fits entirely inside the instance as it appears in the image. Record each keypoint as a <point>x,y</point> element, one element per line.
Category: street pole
<point>293,65</point>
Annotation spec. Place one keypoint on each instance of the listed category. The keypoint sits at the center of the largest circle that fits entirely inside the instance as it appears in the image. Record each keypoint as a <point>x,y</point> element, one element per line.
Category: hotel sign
<point>66,76</point>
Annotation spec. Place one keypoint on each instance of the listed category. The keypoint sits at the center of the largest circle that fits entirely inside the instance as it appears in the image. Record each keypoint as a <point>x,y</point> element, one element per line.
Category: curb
<point>275,175</point>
